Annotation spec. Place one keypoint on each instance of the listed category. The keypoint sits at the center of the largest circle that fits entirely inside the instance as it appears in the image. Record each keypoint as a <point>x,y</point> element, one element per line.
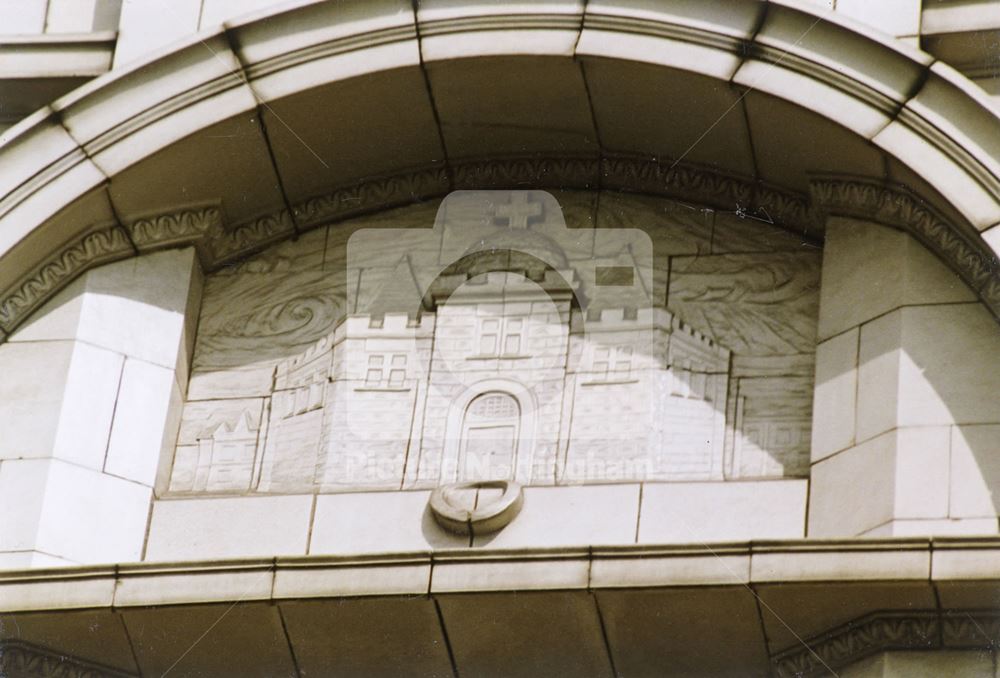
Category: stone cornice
<point>186,227</point>
<point>104,244</point>
<point>25,660</point>
<point>757,564</point>
<point>888,631</point>
<point>627,173</point>
<point>744,568</point>
<point>218,243</point>
<point>99,246</point>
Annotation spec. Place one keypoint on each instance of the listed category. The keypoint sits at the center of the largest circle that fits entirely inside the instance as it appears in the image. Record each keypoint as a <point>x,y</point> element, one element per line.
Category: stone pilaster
<point>89,407</point>
<point>905,392</point>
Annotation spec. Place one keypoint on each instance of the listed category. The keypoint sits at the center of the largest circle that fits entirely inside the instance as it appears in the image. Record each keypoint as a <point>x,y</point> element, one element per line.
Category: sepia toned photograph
<point>488,339</point>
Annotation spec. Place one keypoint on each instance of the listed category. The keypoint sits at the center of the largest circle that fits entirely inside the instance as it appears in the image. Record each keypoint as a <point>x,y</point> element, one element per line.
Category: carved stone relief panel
<point>218,445</point>
<point>505,336</point>
<point>763,306</point>
<point>755,304</point>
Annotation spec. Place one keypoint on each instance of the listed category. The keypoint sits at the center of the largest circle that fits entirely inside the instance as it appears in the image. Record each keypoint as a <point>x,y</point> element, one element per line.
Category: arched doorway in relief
<point>489,441</point>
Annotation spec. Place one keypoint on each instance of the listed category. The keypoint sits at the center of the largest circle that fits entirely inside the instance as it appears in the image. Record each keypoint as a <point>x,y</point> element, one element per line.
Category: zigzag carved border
<point>888,631</point>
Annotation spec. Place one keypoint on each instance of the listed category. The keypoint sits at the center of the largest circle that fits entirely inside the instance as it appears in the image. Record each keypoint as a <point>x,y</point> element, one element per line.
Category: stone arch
<point>77,192</point>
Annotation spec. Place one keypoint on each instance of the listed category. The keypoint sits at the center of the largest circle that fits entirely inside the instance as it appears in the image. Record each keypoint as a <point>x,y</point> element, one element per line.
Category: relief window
<point>500,336</point>
<point>489,437</point>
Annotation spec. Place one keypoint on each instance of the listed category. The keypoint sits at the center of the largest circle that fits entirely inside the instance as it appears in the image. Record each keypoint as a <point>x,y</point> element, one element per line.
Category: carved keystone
<point>446,504</point>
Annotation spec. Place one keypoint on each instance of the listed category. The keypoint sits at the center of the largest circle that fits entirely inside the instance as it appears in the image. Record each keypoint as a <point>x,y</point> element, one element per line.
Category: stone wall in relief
<point>417,358</point>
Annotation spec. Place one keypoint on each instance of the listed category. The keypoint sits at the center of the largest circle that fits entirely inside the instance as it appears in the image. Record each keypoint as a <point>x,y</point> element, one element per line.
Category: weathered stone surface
<point>743,231</point>
<point>835,395</point>
<point>774,424</point>
<point>92,517</point>
<point>715,512</point>
<point>229,527</point>
<point>368,522</point>
<point>975,471</point>
<point>147,415</point>
<point>253,318</point>
<point>758,304</point>
<point>862,257</point>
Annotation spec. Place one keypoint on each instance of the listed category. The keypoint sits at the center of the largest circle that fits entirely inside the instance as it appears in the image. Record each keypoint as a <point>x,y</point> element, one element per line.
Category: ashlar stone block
<point>138,307</point>
<point>895,17</point>
<point>145,28</point>
<point>147,417</point>
<point>910,664</point>
<point>571,516</point>
<point>879,361</point>
<point>88,405</point>
<point>946,374</point>
<point>899,475</point>
<point>923,365</point>
<point>975,471</point>
<point>91,517</point>
<point>922,460</point>
<point>372,522</point>
<point>853,491</point>
<point>82,16</point>
<point>722,511</point>
<point>237,527</point>
<point>835,394</point>
<point>869,269</point>
<point>21,502</point>
<point>23,17</point>
<point>31,394</point>
<point>92,391</point>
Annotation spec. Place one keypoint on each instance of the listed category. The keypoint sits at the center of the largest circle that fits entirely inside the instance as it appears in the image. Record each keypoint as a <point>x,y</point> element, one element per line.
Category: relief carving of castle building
<point>505,345</point>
